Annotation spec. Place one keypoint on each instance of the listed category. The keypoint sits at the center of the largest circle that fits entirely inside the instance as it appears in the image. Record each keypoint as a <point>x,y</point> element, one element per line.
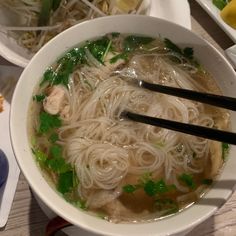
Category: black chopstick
<point>212,99</point>
<point>196,130</point>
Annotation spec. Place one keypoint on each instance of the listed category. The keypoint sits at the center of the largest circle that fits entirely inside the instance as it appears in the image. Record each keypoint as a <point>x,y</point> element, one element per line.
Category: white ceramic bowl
<point>178,12</point>
<point>214,62</point>
<point>17,54</point>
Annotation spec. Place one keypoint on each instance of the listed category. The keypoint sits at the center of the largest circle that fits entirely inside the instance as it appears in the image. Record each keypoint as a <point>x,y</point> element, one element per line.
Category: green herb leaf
<point>123,56</point>
<point>225,150</point>
<point>39,97</point>
<point>187,180</point>
<point>99,48</point>
<point>58,165</point>
<point>65,182</point>
<point>48,76</point>
<point>188,53</point>
<point>220,4</point>
<point>53,137</point>
<point>133,42</point>
<point>48,122</point>
<point>172,46</point>
<point>129,188</point>
<point>207,181</point>
<point>41,157</point>
<point>56,151</point>
<point>152,188</point>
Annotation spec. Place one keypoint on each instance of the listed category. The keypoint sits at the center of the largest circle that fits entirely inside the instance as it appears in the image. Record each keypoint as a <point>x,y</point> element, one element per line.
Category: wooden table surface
<point>27,219</point>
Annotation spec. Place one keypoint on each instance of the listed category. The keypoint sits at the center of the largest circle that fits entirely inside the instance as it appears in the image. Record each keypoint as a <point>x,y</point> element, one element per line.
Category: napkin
<point>172,10</point>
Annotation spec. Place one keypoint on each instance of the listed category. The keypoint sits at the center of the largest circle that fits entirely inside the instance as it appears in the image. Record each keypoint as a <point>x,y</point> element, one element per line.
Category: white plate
<point>8,78</point>
<point>214,12</point>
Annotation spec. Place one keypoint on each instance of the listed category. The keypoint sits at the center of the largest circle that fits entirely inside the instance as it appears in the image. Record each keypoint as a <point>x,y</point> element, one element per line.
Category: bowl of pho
<point>110,175</point>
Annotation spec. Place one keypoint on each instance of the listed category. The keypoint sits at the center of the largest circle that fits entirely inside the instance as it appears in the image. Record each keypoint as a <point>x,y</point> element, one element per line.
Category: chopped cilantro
<point>225,150</point>
<point>152,188</point>
<point>99,48</point>
<point>48,122</point>
<point>187,180</point>
<point>129,188</point>
<point>172,46</point>
<point>39,97</point>
<point>65,182</point>
<point>56,151</point>
<point>186,52</point>
<point>123,56</point>
<point>66,65</point>
<point>53,137</point>
<point>207,181</point>
<point>133,42</point>
<point>41,157</point>
<point>48,76</point>
<point>58,165</point>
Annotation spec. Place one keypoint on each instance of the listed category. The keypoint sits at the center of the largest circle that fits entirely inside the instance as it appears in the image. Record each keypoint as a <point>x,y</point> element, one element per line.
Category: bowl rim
<point>12,56</point>
<point>108,227</point>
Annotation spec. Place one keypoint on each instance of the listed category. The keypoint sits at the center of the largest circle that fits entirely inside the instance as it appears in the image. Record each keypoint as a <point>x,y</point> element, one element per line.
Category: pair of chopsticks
<point>200,131</point>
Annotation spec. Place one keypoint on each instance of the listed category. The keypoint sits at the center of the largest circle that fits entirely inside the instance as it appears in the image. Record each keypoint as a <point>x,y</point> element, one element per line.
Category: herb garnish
<point>207,181</point>
<point>99,48</point>
<point>39,97</point>
<point>133,42</point>
<point>48,122</point>
<point>53,137</point>
<point>123,56</point>
<point>186,52</point>
<point>225,150</point>
<point>150,187</point>
<point>187,180</point>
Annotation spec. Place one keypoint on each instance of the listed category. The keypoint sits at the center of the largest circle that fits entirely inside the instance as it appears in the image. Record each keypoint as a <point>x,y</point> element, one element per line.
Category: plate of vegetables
<point>26,25</point>
<point>224,13</point>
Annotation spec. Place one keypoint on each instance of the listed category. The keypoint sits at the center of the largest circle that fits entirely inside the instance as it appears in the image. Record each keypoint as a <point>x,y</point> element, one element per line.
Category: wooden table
<point>27,219</point>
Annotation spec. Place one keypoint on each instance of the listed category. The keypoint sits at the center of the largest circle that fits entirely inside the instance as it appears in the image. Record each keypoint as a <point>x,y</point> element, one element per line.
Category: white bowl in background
<point>178,12</point>
<point>212,60</point>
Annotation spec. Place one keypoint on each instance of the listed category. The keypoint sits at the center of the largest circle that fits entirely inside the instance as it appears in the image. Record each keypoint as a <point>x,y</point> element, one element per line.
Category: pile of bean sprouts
<point>70,12</point>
